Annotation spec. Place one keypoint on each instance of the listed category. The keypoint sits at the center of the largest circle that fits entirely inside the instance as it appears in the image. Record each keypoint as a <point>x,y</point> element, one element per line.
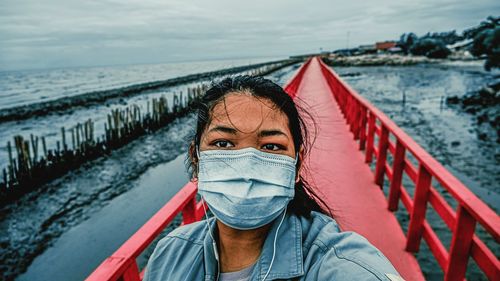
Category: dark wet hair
<point>306,198</point>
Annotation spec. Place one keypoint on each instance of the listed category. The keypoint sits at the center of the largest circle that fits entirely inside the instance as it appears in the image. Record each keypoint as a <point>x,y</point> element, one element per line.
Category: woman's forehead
<point>248,113</point>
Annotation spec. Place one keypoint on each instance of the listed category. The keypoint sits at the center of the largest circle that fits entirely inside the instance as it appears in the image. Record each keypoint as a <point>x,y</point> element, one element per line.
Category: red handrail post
<point>348,112</point>
<point>357,117</point>
<point>397,176</point>
<point>419,207</point>
<point>189,211</point>
<point>132,273</point>
<point>362,128</point>
<point>383,144</point>
<point>341,95</point>
<point>460,245</point>
<point>352,114</point>
<point>371,132</point>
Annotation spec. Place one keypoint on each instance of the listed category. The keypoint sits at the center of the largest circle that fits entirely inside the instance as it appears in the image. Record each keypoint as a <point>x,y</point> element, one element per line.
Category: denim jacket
<point>307,249</point>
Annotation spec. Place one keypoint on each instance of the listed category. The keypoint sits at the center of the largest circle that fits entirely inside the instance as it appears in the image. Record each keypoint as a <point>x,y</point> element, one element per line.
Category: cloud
<point>72,33</point>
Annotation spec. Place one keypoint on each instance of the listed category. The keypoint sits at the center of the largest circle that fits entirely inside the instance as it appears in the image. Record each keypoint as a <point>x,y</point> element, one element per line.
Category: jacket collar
<point>288,260</point>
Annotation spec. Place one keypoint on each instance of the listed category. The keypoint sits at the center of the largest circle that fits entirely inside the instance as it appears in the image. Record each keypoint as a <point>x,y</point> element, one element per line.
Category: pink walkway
<point>337,166</point>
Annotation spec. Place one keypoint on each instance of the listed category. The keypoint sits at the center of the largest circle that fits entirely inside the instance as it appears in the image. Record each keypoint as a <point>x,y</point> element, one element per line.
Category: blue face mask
<point>246,188</point>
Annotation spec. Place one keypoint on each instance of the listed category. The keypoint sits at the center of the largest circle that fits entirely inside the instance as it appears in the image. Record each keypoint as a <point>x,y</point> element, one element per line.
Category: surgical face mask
<point>246,188</point>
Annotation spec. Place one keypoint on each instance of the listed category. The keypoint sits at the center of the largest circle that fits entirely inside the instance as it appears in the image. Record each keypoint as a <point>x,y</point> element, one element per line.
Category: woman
<point>247,158</point>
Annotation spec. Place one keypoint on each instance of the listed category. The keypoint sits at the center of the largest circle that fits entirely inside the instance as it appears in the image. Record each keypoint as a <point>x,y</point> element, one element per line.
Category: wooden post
<point>77,132</point>
<point>63,133</point>
<point>17,140</point>
<point>33,147</point>
<point>5,178</point>
<point>11,161</point>
<point>27,156</point>
<point>83,135</point>
<point>106,135</point>
<point>44,147</point>
<point>91,129</point>
<point>16,169</point>
<point>73,138</point>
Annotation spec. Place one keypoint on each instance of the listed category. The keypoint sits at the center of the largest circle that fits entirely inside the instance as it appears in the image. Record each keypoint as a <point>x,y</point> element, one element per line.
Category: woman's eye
<point>271,146</point>
<point>223,144</point>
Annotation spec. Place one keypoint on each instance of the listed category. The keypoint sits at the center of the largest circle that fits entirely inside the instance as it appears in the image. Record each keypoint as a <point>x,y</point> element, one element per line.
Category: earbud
<point>216,253</point>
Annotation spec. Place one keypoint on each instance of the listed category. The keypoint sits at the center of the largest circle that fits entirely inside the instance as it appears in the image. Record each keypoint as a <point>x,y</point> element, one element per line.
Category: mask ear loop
<point>197,149</point>
<point>214,244</point>
<point>210,232</point>
<point>277,231</point>
<point>274,246</point>
<point>296,161</point>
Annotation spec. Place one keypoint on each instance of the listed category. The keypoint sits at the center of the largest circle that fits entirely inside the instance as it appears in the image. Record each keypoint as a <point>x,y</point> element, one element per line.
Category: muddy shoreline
<point>483,104</point>
<point>65,202</point>
<point>380,60</point>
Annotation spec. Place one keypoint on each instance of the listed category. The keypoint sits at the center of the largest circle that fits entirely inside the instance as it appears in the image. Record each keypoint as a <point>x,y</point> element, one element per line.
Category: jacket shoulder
<point>180,251</point>
<point>345,255</point>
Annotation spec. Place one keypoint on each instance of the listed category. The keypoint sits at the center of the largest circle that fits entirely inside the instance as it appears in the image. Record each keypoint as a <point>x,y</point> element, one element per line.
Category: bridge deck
<point>337,166</point>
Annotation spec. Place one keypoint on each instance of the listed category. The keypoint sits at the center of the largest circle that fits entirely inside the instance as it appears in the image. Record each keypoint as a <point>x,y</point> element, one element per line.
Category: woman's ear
<point>193,157</point>
<point>299,164</point>
<point>192,152</point>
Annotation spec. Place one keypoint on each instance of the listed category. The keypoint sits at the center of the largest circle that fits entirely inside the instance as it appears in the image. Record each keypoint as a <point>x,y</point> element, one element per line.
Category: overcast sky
<point>59,33</point>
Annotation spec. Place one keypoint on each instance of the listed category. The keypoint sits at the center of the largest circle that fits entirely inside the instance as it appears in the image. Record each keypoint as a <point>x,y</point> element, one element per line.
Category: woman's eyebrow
<point>223,129</point>
<point>274,132</point>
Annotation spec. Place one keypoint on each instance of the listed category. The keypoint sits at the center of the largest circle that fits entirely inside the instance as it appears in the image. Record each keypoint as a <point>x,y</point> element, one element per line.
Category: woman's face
<point>242,120</point>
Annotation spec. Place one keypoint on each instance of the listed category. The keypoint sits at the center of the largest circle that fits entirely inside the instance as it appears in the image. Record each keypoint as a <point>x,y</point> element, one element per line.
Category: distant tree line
<point>485,42</point>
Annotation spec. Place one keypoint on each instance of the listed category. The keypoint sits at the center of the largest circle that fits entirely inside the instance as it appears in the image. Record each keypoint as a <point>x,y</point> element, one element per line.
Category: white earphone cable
<point>274,246</point>
<point>214,244</point>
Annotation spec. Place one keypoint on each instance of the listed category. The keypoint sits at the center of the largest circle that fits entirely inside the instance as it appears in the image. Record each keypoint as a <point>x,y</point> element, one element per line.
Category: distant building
<point>460,49</point>
<point>385,46</point>
<point>395,50</point>
<point>460,45</point>
<point>367,49</point>
<point>346,52</point>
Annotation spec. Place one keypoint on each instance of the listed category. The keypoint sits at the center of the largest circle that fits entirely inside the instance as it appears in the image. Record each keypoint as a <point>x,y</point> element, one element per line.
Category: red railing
<point>293,85</point>
<point>367,122</point>
<point>122,264</point>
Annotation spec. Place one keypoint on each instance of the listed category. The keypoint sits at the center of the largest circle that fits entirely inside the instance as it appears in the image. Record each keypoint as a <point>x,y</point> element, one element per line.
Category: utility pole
<point>347,40</point>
